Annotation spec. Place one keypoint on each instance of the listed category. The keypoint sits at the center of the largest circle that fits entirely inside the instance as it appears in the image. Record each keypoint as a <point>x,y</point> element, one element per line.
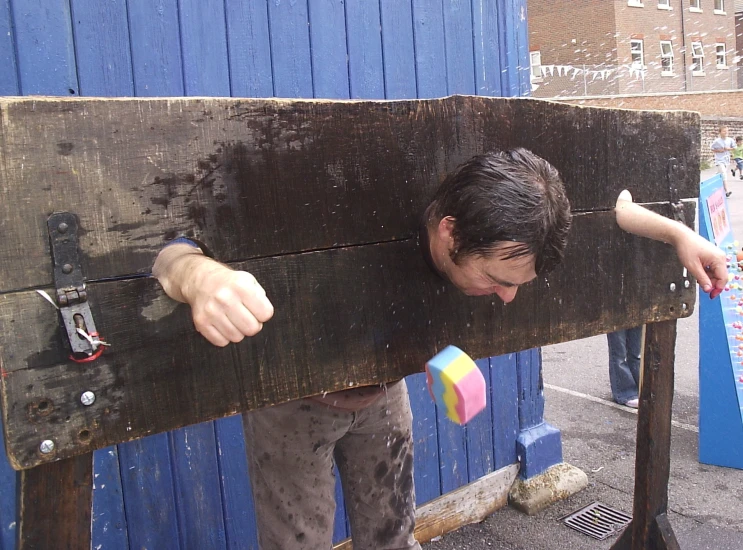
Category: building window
<point>664,4</point>
<point>635,3</point>
<point>697,58</point>
<point>638,56</point>
<point>721,56</point>
<point>666,57</point>
<point>720,7</point>
<point>695,5</point>
<point>535,61</point>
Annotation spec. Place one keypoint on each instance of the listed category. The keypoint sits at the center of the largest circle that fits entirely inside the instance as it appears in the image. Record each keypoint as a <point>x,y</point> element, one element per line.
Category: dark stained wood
<point>55,505</point>
<point>624,542</point>
<point>665,538</point>
<point>257,178</point>
<point>653,457</point>
<point>344,317</point>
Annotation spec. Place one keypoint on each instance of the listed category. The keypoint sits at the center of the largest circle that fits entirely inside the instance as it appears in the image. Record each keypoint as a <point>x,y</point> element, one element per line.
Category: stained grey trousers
<point>291,450</point>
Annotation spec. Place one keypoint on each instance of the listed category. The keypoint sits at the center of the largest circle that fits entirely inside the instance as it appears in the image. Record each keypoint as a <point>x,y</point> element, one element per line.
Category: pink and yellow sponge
<point>456,384</point>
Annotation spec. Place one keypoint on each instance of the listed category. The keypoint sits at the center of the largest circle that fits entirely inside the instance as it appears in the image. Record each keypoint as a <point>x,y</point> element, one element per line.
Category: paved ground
<point>598,437</point>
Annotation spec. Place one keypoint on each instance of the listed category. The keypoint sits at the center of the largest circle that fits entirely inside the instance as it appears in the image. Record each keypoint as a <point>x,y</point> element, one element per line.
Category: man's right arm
<point>226,305</point>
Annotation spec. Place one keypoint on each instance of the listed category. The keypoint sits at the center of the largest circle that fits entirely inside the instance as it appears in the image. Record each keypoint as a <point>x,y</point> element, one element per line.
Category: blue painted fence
<point>190,488</point>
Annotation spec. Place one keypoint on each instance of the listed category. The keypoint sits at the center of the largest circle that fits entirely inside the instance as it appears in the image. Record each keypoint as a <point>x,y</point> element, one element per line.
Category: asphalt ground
<point>705,502</point>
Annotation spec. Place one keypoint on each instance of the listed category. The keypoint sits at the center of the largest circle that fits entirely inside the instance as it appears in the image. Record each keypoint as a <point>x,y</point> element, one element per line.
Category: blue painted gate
<point>190,488</point>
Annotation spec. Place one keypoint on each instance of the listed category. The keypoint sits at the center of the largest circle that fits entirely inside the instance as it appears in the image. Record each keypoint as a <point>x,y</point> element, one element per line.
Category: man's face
<point>491,274</point>
<point>723,132</point>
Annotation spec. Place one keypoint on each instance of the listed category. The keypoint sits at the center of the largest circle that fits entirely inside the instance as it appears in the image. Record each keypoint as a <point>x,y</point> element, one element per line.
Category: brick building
<point>604,47</point>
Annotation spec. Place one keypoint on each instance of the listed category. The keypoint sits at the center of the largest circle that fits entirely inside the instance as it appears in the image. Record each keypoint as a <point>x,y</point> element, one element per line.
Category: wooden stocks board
<point>322,202</point>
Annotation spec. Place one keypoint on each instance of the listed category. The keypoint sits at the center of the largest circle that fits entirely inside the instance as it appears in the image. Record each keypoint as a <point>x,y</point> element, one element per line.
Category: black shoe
<point>732,172</point>
<point>728,193</point>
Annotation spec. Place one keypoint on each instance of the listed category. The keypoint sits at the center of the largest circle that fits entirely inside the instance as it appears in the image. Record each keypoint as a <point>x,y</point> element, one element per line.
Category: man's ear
<point>445,230</point>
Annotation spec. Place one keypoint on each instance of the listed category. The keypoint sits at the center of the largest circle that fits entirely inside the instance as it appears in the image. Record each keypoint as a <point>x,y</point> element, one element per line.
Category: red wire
<point>90,358</point>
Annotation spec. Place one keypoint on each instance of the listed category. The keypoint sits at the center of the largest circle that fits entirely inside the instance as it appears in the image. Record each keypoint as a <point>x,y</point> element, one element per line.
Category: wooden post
<point>650,528</point>
<point>55,505</point>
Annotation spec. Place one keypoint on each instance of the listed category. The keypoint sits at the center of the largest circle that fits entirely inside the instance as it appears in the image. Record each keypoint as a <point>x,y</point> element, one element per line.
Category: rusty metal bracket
<point>72,298</point>
<point>677,206</point>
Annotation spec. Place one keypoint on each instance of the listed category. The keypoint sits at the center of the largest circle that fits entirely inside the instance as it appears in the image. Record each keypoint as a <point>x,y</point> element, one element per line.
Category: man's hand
<point>226,305</point>
<point>703,260</point>
<point>700,257</point>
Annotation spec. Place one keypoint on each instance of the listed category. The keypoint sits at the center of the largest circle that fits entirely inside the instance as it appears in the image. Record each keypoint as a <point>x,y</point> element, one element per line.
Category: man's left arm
<point>704,260</point>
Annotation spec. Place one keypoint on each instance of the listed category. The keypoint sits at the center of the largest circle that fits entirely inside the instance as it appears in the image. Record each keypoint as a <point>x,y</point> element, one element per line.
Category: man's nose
<point>507,294</point>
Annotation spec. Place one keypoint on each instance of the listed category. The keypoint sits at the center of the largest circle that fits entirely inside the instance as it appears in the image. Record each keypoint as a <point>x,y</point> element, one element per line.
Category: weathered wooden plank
<point>352,316</point>
<point>468,504</point>
<point>55,505</point>
<point>256,178</point>
<point>653,458</point>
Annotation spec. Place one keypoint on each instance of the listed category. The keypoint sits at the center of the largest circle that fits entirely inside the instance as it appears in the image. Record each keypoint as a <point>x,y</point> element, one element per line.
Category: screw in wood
<point>687,284</point>
<point>673,287</point>
<point>87,398</point>
<point>47,446</point>
<point>63,227</point>
<point>684,307</point>
<point>67,269</point>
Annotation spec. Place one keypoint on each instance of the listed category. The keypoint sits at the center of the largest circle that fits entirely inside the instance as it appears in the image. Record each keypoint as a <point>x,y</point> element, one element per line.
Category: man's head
<point>739,140</point>
<point>723,131</point>
<point>498,221</point>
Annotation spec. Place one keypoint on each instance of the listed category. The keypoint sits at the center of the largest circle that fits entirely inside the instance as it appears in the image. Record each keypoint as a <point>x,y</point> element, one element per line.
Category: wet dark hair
<point>496,198</point>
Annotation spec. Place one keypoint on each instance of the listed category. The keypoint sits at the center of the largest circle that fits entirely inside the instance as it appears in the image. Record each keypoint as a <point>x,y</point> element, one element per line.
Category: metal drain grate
<point>597,520</point>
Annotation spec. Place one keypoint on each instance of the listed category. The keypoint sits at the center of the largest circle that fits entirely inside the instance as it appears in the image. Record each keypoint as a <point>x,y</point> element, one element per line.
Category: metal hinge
<point>72,298</point>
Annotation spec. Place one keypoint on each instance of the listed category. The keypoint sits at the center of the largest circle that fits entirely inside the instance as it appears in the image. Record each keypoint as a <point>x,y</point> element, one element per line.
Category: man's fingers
<point>243,320</point>
<point>698,271</point>
<point>253,296</point>
<point>213,335</point>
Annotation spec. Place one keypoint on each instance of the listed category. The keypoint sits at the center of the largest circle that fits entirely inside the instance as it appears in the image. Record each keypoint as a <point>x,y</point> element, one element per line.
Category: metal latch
<point>673,195</point>
<point>72,298</point>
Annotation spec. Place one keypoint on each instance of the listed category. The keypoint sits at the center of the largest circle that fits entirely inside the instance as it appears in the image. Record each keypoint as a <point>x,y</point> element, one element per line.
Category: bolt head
<point>687,284</point>
<point>672,287</point>
<point>47,446</point>
<point>66,269</point>
<point>684,307</point>
<point>87,398</point>
<point>63,227</point>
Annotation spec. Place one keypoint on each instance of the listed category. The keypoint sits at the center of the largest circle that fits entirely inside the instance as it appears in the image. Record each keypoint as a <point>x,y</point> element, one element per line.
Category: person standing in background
<point>625,347</point>
<point>721,147</point>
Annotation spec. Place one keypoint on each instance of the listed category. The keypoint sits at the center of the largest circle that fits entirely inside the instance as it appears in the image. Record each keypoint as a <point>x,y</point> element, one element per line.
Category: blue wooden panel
<point>46,52</point>
<point>531,389</point>
<point>148,492</point>
<point>8,67</point>
<point>504,399</point>
<point>480,458</point>
<point>234,479</point>
<point>8,488</point>
<point>104,63</point>
<point>426,457</point>
<point>430,53</point>
<point>508,29</point>
<point>329,51</point>
<point>249,47</point>
<point>290,48</point>
<point>197,487</point>
<point>204,44</point>
<point>156,48</point>
<point>452,452</point>
<point>365,63</point>
<point>460,55</point>
<point>398,49</point>
<point>109,527</point>
<point>340,523</point>
<point>487,47</point>
<point>522,67</point>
